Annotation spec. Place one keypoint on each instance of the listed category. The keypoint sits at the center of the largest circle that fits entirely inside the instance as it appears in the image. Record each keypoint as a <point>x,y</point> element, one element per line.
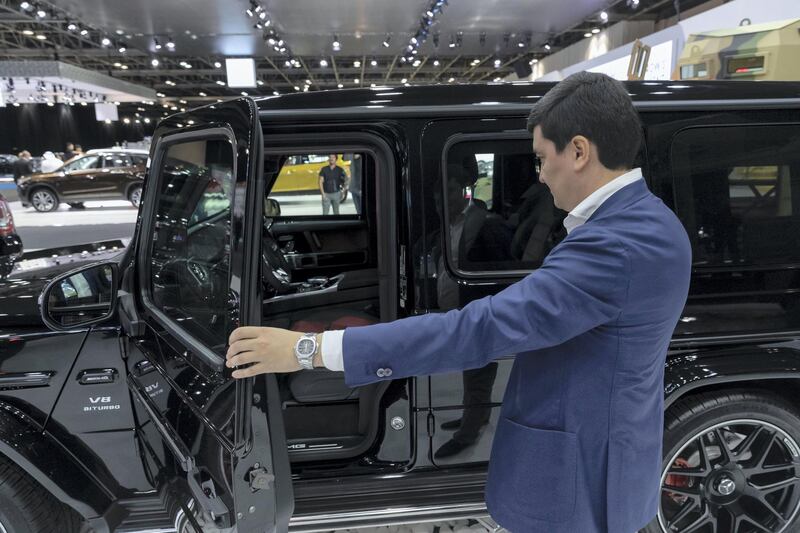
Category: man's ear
<point>581,148</point>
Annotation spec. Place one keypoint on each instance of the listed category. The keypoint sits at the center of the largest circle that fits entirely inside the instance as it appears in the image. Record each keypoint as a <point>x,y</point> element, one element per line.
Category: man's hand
<point>269,350</point>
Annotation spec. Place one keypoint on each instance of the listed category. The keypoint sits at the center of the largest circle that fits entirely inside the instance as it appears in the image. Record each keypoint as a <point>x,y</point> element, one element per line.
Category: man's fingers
<point>242,358</point>
<point>245,332</point>
<point>248,372</point>
<point>244,345</point>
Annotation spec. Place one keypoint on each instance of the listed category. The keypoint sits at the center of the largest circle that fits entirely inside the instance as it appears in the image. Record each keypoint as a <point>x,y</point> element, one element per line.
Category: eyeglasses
<point>537,165</point>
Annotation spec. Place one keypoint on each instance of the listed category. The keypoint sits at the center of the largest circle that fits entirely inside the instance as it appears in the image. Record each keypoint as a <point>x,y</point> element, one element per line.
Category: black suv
<point>123,416</point>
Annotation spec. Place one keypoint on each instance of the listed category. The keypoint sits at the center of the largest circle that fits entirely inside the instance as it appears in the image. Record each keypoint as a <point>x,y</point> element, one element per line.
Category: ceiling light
<point>84,32</point>
<point>155,62</point>
<point>497,63</point>
<point>356,63</point>
<point>604,16</point>
<point>276,93</point>
<point>451,80</point>
<point>202,94</point>
<point>27,32</point>
<point>41,37</point>
<point>435,62</point>
<point>404,80</point>
<point>72,26</point>
<point>340,86</point>
<point>25,5</point>
<point>170,44</point>
<point>296,88</point>
<point>386,42</point>
<point>587,34</point>
<point>41,13</point>
<point>106,41</point>
<point>323,63</point>
<point>217,64</point>
<point>356,80</point>
<point>122,49</point>
<point>373,63</point>
<point>595,30</point>
<point>336,44</point>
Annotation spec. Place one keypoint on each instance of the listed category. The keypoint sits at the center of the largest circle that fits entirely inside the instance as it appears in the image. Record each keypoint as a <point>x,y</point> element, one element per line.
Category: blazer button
<point>387,372</point>
<point>381,373</point>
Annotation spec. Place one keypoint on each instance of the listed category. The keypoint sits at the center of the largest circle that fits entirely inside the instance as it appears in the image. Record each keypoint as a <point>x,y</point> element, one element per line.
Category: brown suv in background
<point>96,175</point>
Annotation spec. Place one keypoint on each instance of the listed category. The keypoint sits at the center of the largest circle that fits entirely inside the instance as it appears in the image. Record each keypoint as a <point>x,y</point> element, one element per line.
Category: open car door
<point>214,445</point>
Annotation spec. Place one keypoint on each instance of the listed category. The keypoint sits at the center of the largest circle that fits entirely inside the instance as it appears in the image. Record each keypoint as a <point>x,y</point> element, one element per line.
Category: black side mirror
<point>272,208</point>
<point>80,298</point>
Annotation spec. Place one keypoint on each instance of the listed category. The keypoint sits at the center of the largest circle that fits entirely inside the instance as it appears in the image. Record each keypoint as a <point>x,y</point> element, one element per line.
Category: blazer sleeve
<point>582,284</point>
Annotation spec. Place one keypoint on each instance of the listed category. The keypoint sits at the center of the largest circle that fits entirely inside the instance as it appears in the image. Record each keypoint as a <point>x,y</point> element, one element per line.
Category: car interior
<point>320,272</point>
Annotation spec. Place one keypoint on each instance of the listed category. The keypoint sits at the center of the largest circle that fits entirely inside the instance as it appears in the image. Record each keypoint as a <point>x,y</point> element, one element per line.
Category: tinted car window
<point>740,192</point>
<point>84,163</point>
<point>190,248</point>
<point>116,160</point>
<point>498,215</point>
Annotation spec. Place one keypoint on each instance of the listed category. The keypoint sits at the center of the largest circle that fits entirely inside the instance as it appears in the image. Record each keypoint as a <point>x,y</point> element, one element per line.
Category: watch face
<point>305,347</point>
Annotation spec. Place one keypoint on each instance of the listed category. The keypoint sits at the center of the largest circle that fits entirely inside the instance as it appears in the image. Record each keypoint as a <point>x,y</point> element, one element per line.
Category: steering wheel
<point>191,281</point>
<point>275,266</point>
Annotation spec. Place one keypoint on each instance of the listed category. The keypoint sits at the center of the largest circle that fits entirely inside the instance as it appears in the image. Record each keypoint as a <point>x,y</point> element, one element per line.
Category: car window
<point>139,160</point>
<point>297,185</point>
<point>498,215</point>
<point>189,278</point>
<point>84,163</point>
<point>116,161</point>
<point>739,193</point>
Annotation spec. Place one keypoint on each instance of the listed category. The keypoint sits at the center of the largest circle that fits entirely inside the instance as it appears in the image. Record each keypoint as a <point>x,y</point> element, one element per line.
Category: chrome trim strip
<point>385,517</point>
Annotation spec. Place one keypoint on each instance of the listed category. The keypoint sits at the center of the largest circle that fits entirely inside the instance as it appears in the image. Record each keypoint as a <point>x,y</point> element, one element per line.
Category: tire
<point>759,431</point>
<point>25,507</point>
<point>44,200</point>
<point>135,196</point>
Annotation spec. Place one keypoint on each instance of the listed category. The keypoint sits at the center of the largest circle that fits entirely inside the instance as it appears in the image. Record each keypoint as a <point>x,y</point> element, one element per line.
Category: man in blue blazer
<point>578,445</point>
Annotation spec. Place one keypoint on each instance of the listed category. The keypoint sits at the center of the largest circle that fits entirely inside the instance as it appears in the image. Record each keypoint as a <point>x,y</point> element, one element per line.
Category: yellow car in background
<point>301,172</point>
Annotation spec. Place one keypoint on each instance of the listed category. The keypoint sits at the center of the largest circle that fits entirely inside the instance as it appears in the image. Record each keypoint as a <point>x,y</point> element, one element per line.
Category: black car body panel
<point>178,409</point>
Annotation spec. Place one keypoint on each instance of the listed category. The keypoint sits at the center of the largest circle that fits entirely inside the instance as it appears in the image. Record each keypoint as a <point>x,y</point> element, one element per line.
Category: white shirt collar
<point>581,213</point>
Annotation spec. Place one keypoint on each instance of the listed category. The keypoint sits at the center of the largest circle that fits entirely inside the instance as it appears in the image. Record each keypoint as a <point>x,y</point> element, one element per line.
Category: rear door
<point>216,444</point>
<point>112,179</point>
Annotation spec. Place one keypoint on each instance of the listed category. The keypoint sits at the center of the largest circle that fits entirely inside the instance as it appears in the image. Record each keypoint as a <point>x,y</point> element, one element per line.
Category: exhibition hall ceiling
<point>179,47</point>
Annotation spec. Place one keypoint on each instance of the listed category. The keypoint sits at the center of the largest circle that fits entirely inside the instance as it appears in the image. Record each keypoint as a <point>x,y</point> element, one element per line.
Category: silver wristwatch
<point>306,349</point>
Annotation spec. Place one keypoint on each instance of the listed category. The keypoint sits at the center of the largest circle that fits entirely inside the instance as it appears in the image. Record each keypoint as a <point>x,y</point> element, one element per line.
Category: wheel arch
<point>55,469</point>
<point>43,185</point>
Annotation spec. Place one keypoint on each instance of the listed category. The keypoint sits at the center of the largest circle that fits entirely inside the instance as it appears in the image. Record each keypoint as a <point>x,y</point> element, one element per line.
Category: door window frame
<point>212,359</point>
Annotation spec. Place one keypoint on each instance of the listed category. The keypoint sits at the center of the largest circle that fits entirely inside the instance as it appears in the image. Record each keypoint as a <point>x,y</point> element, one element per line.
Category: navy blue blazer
<point>578,445</point>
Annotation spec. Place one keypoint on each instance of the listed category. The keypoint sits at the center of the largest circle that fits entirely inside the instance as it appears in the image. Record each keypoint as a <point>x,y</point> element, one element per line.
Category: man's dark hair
<point>599,108</point>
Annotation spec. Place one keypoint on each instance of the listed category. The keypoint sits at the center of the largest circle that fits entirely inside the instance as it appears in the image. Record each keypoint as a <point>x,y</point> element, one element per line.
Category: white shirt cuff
<point>332,356</point>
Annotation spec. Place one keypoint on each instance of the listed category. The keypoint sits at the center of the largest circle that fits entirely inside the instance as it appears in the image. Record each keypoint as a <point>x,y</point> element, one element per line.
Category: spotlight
<point>25,6</point>
<point>451,80</point>
<point>604,16</point>
<point>356,63</point>
<point>417,63</point>
<point>414,40</point>
<point>404,80</point>
<point>155,62</point>
<point>336,44</point>
<point>170,44</point>
<point>217,64</point>
<point>587,34</point>
<point>72,26</point>
<point>386,41</point>
<point>157,44</point>
<point>106,41</point>
<point>323,63</point>
<point>340,85</point>
<point>436,40</point>
<point>263,15</point>
<point>373,63</point>
<point>521,44</point>
<point>122,49</point>
<point>249,12</point>
<point>452,42</point>
<point>497,63</point>
<point>356,80</point>
<point>84,32</point>
<point>435,62</point>
<point>595,30</point>
<point>547,46</point>
<point>482,38</point>
<point>41,13</point>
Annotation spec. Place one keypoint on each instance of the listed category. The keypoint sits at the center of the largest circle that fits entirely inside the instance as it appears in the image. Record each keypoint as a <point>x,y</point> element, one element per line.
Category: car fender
<point>692,370</point>
<point>41,185</point>
<point>55,468</point>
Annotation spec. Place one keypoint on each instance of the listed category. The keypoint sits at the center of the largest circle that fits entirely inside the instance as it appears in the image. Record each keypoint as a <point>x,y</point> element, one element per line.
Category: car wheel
<point>44,200</point>
<point>135,196</point>
<point>25,507</point>
<point>731,463</point>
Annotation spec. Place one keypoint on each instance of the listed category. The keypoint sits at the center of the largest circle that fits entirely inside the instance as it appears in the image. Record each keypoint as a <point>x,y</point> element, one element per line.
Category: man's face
<point>557,170</point>
<point>331,160</point>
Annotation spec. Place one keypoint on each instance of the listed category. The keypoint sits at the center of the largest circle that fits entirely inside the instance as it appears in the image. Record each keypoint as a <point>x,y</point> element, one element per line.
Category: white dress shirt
<point>332,356</point>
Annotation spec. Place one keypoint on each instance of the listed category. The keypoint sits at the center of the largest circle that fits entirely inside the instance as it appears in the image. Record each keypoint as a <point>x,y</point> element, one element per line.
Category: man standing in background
<point>332,183</point>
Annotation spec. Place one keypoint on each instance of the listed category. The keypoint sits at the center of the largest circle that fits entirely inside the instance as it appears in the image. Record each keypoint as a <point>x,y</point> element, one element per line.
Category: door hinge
<point>260,478</point>
<point>431,424</point>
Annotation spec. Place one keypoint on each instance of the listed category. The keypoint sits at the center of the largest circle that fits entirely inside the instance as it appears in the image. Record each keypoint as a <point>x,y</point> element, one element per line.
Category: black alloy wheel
<point>732,465</point>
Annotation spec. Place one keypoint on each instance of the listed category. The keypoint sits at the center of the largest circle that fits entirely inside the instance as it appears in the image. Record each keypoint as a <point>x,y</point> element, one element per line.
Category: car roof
<point>136,151</point>
<point>516,98</point>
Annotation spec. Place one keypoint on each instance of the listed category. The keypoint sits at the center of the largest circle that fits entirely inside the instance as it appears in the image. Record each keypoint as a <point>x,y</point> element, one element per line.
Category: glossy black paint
<point>399,469</point>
